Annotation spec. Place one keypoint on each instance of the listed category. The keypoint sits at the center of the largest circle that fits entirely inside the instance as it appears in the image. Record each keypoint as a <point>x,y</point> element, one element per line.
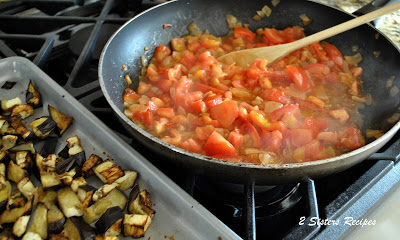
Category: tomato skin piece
<point>311,123</point>
<point>212,101</point>
<point>236,139</point>
<point>298,76</point>
<point>334,54</point>
<point>216,144</point>
<point>225,113</point>
<point>301,137</point>
<point>272,141</point>
<point>274,36</point>
<point>205,88</point>
<point>278,95</point>
<point>248,128</point>
<point>278,113</point>
<point>244,33</point>
<point>161,52</point>
<point>166,112</point>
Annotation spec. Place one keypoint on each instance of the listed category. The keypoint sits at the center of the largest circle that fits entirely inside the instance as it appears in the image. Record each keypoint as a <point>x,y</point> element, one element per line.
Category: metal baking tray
<point>178,215</point>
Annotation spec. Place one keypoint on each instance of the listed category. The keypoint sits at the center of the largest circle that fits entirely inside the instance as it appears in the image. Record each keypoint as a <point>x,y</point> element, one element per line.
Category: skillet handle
<point>391,151</point>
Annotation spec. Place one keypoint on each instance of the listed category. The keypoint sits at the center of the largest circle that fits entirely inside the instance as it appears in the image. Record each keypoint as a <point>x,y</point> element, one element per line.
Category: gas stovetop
<point>65,38</point>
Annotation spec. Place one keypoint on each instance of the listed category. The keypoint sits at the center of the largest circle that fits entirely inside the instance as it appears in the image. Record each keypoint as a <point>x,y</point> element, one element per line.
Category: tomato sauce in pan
<point>302,108</point>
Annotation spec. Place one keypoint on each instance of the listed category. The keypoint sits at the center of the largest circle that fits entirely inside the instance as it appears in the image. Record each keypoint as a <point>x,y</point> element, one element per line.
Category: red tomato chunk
<point>298,109</point>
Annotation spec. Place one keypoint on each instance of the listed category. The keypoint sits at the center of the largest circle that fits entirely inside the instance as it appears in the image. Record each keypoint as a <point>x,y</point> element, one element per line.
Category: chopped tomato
<point>334,54</point>
<point>178,44</point>
<point>244,33</point>
<point>249,129</point>
<point>166,112</point>
<point>213,100</point>
<point>203,133</point>
<point>352,139</point>
<point>300,136</point>
<point>311,123</point>
<point>216,144</point>
<point>236,139</point>
<point>225,113</point>
<point>272,141</point>
<point>274,36</point>
<point>298,76</point>
<point>161,52</point>
<point>278,114</point>
<point>191,145</point>
<point>278,95</point>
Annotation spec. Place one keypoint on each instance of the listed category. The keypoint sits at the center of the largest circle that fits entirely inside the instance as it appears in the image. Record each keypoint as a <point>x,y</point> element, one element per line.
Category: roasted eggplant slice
<point>20,127</point>
<point>100,237</point>
<point>2,176</point>
<point>49,163</point>
<point>127,181</point>
<point>63,122</point>
<point>49,146</point>
<point>33,97</point>
<point>22,111</point>
<point>67,177</point>
<point>26,187</point>
<point>65,165</point>
<point>69,202</point>
<point>78,182</point>
<point>7,105</point>
<point>85,194</point>
<point>108,172</point>
<point>38,221</point>
<point>5,192</point>
<point>42,127</point>
<point>31,236</point>
<point>8,85</point>
<point>64,152</point>
<point>20,225</point>
<point>26,146</point>
<point>69,232</point>
<point>50,180</point>
<point>74,145</point>
<point>110,222</point>
<point>15,173</point>
<point>55,220</point>
<point>95,211</point>
<point>86,231</point>
<point>8,141</point>
<point>23,159</point>
<point>87,168</point>
<point>135,225</point>
<point>4,125</point>
<point>140,203</point>
<point>10,215</point>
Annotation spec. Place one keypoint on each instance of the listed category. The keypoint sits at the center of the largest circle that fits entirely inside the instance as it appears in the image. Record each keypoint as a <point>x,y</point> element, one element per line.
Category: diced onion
<point>354,60</point>
<point>296,92</point>
<point>394,118</point>
<point>193,28</point>
<point>305,19</point>
<point>275,2</point>
<point>394,91</point>
<point>373,133</point>
<point>267,10</point>
<point>271,106</point>
<point>389,82</point>
<point>376,53</point>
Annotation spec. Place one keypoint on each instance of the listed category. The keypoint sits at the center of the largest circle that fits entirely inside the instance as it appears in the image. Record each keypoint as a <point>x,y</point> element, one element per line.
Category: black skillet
<point>127,45</point>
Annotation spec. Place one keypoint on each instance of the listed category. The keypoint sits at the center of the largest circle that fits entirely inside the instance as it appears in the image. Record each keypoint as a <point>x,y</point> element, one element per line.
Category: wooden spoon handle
<point>343,27</point>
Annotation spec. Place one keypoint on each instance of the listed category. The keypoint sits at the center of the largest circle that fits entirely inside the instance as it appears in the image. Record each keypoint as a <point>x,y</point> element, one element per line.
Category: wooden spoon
<point>245,57</point>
